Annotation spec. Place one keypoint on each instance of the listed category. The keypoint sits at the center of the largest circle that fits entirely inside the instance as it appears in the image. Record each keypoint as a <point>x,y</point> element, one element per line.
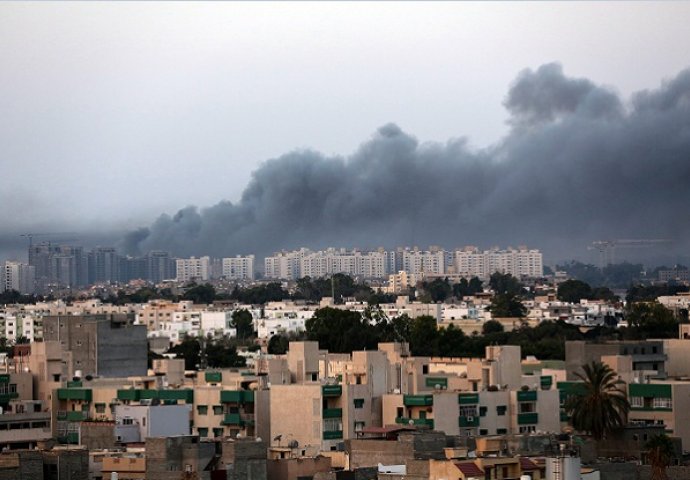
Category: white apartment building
<point>18,276</point>
<point>285,265</point>
<point>239,268</point>
<point>472,262</point>
<point>417,262</point>
<point>189,269</point>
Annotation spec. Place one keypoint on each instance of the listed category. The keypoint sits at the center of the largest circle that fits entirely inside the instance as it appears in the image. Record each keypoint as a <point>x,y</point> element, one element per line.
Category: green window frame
<point>202,409</point>
<point>100,407</point>
<point>217,432</point>
<point>359,402</point>
<point>218,409</point>
<point>203,431</point>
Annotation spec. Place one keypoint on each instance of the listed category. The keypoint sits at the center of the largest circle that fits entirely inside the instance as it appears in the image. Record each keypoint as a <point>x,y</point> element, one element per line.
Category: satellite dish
<point>293,444</point>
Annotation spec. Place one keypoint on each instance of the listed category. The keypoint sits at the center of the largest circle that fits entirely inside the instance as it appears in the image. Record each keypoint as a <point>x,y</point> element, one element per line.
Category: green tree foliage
<point>437,290</point>
<point>220,353</point>
<point>424,336</point>
<point>659,454</point>
<point>505,284</point>
<point>507,305</point>
<point>573,291</point>
<point>649,293</point>
<point>492,326</point>
<point>340,285</point>
<point>243,322</point>
<point>464,288</point>
<point>451,342</point>
<point>9,297</point>
<point>223,354</point>
<point>201,294</point>
<point>582,271</point>
<point>340,331</point>
<point>602,405</point>
<point>650,320</point>
<point>260,294</point>
<point>278,344</point>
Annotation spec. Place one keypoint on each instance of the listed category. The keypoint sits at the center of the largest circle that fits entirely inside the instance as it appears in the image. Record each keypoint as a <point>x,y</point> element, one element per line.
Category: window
<point>100,408</point>
<point>359,426</point>
<point>468,411</point>
<point>483,431</point>
<point>425,369</point>
<point>203,431</point>
<point>482,411</point>
<point>662,403</point>
<point>202,409</point>
<point>127,421</point>
<point>528,429</point>
<point>636,402</point>
<point>501,431</point>
<point>217,432</point>
<point>218,410</point>
<point>501,410</point>
<point>359,402</point>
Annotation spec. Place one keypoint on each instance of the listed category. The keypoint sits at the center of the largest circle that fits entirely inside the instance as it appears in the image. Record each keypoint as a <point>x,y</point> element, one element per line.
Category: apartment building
<point>238,268</point>
<point>19,277</point>
<point>193,269</point>
<point>520,262</point>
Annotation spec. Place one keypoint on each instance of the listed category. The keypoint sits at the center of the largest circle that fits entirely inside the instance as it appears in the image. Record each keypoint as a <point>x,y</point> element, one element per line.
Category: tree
<point>505,284</point>
<point>340,331</point>
<point>660,452</point>
<point>651,319</point>
<point>278,344</point>
<point>601,405</point>
<point>243,322</point>
<point>424,336</point>
<point>438,289</point>
<point>201,294</point>
<point>492,326</point>
<point>507,305</point>
<point>573,291</point>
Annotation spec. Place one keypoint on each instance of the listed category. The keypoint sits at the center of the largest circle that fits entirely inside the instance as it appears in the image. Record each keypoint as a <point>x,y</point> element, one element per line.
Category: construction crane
<point>607,248</point>
<point>31,236</point>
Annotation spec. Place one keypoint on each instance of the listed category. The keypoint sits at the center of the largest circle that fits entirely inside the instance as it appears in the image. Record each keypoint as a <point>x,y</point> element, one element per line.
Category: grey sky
<point>111,113</point>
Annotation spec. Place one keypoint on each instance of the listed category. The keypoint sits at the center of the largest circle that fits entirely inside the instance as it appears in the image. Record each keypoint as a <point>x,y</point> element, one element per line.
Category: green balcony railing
<point>333,435</point>
<point>77,416</point>
<point>418,400</point>
<point>528,418</point>
<point>468,421</point>
<point>468,398</point>
<point>83,394</point>
<point>429,422</point>
<point>232,419</point>
<point>332,413</point>
<point>332,390</point>
<point>528,396</point>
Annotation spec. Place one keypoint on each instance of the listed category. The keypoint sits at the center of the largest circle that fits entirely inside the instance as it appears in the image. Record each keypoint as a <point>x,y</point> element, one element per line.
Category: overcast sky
<point>112,113</point>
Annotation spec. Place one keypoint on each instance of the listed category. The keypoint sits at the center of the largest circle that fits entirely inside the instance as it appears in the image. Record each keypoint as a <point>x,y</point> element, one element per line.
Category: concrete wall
<point>122,352</point>
<point>244,459</point>
<point>294,468</point>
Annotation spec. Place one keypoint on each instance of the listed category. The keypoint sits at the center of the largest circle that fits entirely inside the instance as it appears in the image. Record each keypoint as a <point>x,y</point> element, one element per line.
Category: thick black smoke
<point>579,164</point>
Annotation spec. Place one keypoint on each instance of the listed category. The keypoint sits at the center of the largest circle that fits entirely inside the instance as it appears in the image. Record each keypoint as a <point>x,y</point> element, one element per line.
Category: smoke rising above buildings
<point>579,164</point>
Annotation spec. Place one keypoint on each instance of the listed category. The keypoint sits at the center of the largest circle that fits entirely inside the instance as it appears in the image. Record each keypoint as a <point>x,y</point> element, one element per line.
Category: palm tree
<point>601,405</point>
<point>660,451</point>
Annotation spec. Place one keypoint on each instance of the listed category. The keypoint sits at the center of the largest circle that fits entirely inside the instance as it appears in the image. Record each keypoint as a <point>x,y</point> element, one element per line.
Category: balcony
<point>213,377</point>
<point>236,396</point>
<point>528,418</point>
<point>131,394</point>
<point>429,422</point>
<point>418,400</point>
<point>77,416</point>
<point>6,397</point>
<point>471,421</point>
<point>332,413</point>
<point>333,435</point>
<point>83,394</point>
<point>468,398</point>
<point>332,390</point>
<point>528,396</point>
<point>233,419</point>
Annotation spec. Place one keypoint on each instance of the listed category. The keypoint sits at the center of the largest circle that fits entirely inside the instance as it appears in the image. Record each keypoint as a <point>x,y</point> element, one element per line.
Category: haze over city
<point>240,128</point>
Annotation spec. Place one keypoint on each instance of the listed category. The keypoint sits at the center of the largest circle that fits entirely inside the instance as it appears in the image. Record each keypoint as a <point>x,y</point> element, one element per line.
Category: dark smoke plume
<point>579,164</point>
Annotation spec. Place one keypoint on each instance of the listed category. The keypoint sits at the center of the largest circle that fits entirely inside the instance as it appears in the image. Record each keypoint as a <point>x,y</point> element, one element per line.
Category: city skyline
<point>508,144</point>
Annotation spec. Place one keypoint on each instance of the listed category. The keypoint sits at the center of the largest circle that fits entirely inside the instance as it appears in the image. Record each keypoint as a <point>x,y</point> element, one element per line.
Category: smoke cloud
<point>579,164</point>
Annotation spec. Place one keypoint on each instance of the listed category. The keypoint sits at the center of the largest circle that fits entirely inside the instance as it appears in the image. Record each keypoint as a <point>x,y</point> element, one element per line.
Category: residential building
<point>19,277</point>
<point>193,269</point>
<point>238,268</point>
